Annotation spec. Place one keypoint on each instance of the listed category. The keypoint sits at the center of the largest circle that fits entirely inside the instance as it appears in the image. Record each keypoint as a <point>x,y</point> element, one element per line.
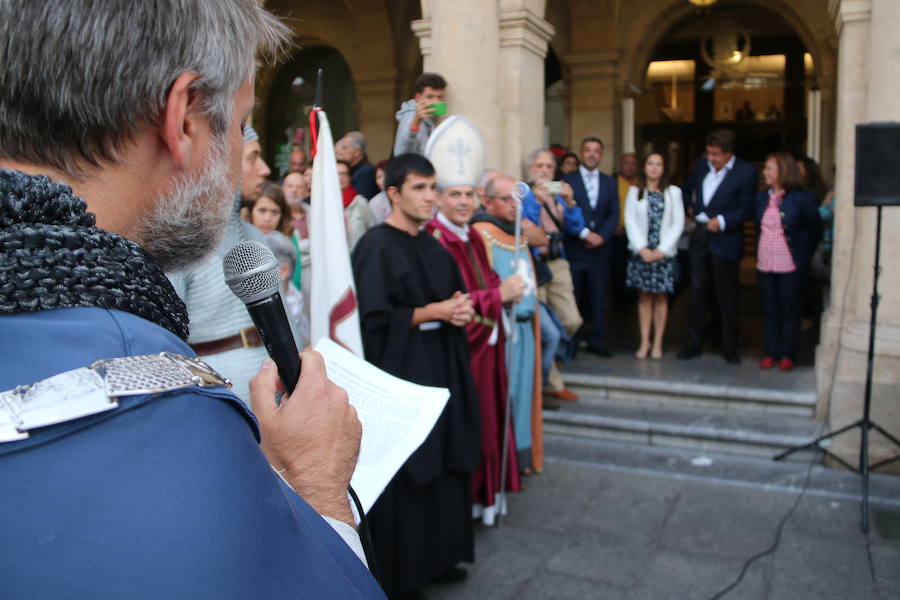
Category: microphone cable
<point>365,536</point>
<point>251,272</point>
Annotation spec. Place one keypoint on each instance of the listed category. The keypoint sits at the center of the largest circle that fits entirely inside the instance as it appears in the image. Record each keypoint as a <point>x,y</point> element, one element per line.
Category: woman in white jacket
<point>654,219</point>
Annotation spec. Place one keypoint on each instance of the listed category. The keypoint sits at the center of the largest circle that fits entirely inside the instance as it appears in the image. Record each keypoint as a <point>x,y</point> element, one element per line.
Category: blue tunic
<point>520,345</point>
<point>163,497</point>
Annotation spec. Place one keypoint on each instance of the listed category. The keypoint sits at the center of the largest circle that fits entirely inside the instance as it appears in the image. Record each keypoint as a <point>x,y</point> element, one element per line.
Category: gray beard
<point>188,221</point>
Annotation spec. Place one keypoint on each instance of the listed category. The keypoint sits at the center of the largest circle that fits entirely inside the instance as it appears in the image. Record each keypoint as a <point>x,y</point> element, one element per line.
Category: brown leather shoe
<point>564,394</point>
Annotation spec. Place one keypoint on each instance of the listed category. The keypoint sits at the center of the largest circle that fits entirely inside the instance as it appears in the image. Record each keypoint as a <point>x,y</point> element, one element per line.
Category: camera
<point>555,247</point>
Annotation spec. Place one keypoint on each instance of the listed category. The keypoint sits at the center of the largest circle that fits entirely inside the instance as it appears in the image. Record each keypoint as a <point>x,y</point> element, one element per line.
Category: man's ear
<point>393,194</point>
<point>179,123</point>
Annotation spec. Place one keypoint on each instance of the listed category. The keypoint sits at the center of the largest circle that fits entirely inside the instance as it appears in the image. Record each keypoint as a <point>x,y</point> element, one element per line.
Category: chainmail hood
<point>53,256</point>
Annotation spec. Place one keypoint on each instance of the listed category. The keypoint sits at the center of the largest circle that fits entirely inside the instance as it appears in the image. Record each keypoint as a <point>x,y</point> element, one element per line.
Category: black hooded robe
<point>422,523</point>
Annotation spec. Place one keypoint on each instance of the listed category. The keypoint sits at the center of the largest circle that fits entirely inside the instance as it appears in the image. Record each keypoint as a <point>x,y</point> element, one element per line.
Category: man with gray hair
<point>551,205</point>
<point>129,468</point>
<point>496,224</point>
<point>352,148</point>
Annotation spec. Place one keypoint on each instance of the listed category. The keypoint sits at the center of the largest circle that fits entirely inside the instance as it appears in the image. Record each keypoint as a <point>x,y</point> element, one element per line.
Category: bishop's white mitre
<point>456,149</point>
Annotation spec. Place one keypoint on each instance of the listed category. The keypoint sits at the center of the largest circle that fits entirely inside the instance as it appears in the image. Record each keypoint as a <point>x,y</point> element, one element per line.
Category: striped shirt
<point>216,313</point>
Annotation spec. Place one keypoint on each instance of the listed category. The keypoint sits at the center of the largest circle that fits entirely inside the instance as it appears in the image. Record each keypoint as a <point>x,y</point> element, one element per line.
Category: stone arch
<point>286,105</point>
<point>808,19</point>
<point>361,32</point>
<point>603,44</point>
<point>645,35</point>
<point>406,46</point>
<point>557,14</point>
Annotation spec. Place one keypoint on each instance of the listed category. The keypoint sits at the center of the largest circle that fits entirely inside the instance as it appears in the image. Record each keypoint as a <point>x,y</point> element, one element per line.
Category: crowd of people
<point>451,295</point>
<point>630,239</point>
<point>465,279</point>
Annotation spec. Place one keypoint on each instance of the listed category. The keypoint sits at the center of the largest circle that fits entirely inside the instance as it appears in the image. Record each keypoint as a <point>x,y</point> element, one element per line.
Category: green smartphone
<point>438,109</point>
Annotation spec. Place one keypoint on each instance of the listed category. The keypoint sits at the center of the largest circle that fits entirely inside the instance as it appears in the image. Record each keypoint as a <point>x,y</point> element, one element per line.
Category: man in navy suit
<point>719,194</point>
<point>589,251</point>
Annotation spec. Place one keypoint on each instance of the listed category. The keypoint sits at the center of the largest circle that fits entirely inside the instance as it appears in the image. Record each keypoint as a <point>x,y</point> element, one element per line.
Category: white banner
<point>333,308</point>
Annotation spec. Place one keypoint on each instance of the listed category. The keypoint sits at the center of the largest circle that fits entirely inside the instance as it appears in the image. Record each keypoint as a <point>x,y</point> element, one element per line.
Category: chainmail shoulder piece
<point>53,256</point>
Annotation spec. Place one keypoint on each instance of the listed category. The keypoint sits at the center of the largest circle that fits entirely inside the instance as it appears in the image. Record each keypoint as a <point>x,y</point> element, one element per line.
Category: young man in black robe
<point>414,309</point>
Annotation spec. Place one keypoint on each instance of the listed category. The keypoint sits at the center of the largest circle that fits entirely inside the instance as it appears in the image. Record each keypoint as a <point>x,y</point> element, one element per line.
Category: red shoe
<point>767,363</point>
<point>786,364</point>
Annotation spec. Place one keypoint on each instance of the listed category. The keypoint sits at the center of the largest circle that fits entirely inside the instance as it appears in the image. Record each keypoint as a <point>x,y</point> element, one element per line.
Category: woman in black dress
<point>654,220</point>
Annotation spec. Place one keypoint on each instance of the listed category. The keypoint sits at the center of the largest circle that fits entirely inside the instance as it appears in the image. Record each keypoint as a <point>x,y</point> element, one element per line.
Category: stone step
<point>737,432</point>
<point>715,394</point>
<point>723,468</point>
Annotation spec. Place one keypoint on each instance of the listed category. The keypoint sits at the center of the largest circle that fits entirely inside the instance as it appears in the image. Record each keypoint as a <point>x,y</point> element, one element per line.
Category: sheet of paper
<point>396,417</point>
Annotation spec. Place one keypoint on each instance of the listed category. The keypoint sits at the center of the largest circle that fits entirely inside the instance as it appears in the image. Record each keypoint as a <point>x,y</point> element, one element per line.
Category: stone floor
<point>639,523</point>
<point>611,520</point>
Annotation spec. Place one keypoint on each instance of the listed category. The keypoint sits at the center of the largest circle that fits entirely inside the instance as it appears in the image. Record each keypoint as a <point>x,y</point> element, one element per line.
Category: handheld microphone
<point>251,271</point>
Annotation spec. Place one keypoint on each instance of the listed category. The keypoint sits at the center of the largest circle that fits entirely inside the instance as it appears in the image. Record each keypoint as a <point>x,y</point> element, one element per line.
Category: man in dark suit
<point>719,195</point>
<point>589,251</point>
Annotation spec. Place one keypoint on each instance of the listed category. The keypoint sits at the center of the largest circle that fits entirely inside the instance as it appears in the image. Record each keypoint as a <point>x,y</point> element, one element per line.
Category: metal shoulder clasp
<point>90,390</point>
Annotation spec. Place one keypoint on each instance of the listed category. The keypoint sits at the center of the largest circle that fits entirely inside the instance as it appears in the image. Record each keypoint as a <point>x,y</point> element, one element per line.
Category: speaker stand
<point>865,424</point>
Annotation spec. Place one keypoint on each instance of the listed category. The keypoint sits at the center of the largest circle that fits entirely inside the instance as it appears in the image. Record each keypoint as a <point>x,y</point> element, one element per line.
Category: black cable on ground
<point>774,545</point>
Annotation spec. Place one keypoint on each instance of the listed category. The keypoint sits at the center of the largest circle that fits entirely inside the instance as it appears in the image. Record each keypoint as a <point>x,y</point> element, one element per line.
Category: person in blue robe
<point>114,168</point>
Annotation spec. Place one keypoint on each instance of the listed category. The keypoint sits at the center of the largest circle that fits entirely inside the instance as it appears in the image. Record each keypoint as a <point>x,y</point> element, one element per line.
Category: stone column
<point>523,47</point>
<point>814,124</point>
<point>627,125</point>
<point>466,52</point>
<point>375,98</point>
<point>828,91</point>
<point>868,85</point>
<point>592,98</point>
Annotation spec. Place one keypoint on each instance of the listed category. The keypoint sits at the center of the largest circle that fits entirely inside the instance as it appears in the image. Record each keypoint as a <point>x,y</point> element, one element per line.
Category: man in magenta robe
<point>450,227</point>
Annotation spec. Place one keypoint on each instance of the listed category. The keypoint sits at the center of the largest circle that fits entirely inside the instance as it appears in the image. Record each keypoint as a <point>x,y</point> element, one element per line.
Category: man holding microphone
<point>134,471</point>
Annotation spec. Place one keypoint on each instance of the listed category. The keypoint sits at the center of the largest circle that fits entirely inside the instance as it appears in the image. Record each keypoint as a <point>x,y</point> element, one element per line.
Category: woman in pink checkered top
<point>788,228</point>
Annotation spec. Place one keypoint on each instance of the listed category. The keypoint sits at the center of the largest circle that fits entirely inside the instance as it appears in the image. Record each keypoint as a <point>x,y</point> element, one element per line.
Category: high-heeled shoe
<point>642,352</point>
<point>656,354</point>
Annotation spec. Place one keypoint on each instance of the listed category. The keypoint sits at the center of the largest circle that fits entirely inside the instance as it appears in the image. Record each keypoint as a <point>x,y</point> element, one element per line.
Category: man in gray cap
<point>222,333</point>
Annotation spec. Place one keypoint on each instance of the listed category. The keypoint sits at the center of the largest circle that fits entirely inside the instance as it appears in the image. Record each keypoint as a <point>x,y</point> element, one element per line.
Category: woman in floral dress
<point>654,219</point>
